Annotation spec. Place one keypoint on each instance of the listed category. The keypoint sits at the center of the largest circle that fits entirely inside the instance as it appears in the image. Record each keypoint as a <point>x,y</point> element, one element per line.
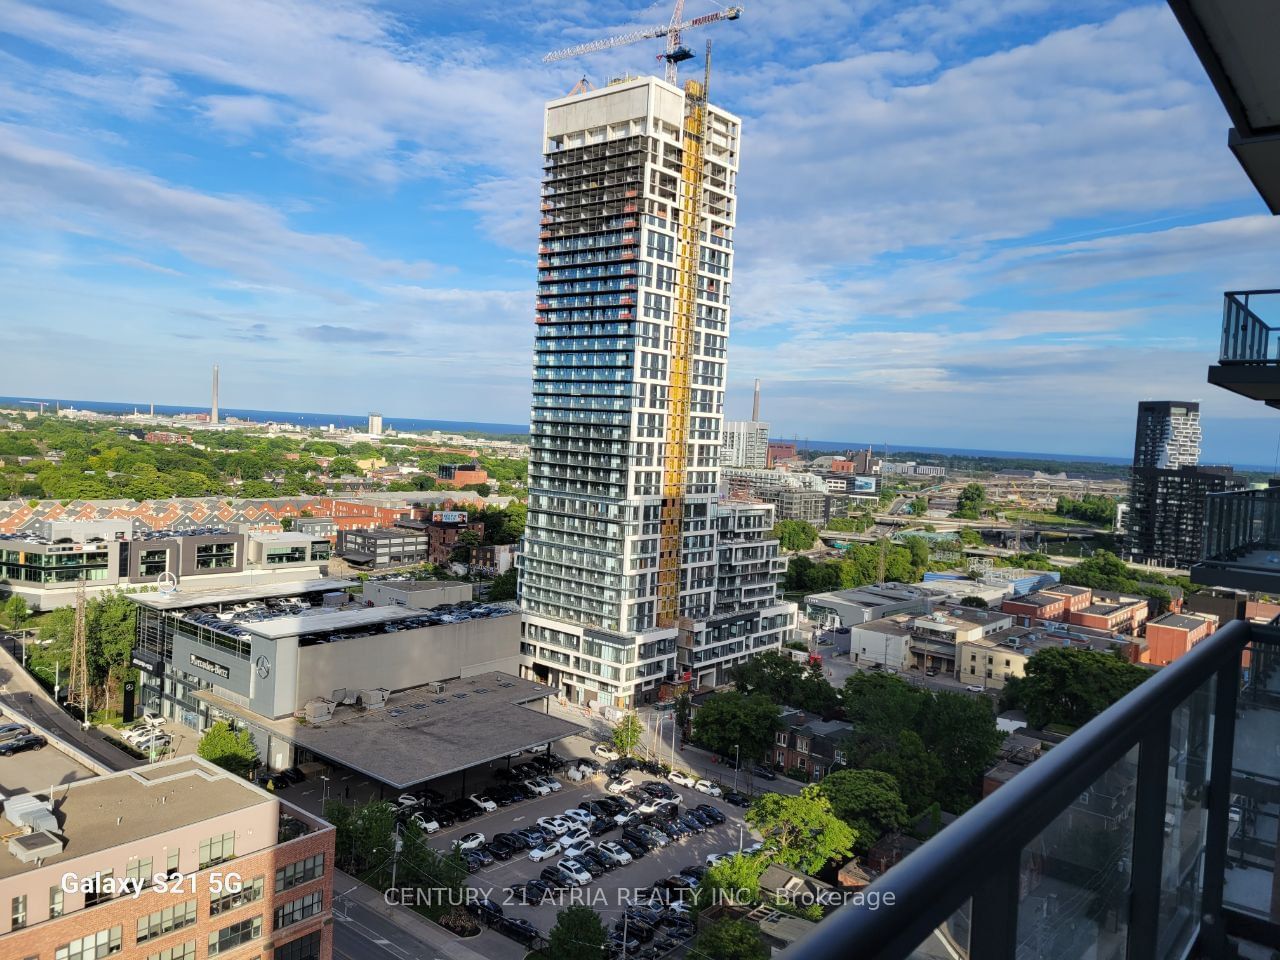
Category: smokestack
<point>755,406</point>
<point>213,412</point>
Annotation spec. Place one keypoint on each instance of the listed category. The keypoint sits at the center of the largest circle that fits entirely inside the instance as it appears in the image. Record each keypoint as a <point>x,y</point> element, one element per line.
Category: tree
<point>731,940</point>
<point>233,750</point>
<point>919,506</point>
<point>916,770</point>
<point>970,502</point>
<point>795,534</point>
<point>785,680</point>
<point>880,705</point>
<point>801,831</point>
<point>578,934</point>
<point>16,611</point>
<point>868,800</point>
<point>286,523</point>
<point>976,602</point>
<point>343,466</point>
<point>684,709</point>
<point>918,547</point>
<point>503,586</point>
<point>733,880</point>
<point>1068,686</point>
<point>627,734</point>
<point>961,733</point>
<point>728,720</point>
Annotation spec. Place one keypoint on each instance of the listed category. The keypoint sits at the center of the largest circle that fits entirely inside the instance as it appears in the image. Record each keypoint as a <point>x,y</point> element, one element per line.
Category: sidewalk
<point>19,690</point>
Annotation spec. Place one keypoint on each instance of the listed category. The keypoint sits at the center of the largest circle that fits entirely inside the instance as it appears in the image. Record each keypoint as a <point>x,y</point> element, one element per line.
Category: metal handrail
<point>1246,337</point>
<point>938,878</point>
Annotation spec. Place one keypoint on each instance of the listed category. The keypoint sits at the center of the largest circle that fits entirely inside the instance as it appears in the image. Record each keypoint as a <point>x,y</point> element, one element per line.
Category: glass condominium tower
<point>633,570</point>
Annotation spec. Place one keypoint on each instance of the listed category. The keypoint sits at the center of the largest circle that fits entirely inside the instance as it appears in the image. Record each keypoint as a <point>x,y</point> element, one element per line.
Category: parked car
<point>498,851</point>
<point>709,788</point>
<point>575,873</point>
<point>621,785</point>
<point>763,772</point>
<point>636,850</point>
<point>707,810</point>
<point>578,815</point>
<point>556,825</point>
<point>514,842</point>
<point>600,826</point>
<point>407,801</point>
<point>737,799</point>
<point>29,741</point>
<point>424,823</point>
<point>532,836</point>
<point>480,855</point>
<point>615,853</point>
<point>484,803</point>
<point>551,782</point>
<point>484,910</point>
<point>974,688</point>
<point>605,751</point>
<point>519,929</point>
<point>544,851</point>
<point>691,823</point>
<point>677,776</point>
<point>541,789</point>
<point>533,891</point>
<point>636,836</point>
<point>440,815</point>
<point>552,877</point>
<point>572,850</point>
<point>471,841</point>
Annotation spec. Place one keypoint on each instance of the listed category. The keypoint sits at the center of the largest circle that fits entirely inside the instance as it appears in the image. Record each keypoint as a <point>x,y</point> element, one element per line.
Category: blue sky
<point>967,223</point>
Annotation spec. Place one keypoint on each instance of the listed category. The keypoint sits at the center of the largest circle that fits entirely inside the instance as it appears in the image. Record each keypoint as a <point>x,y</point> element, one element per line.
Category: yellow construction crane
<point>683,319</point>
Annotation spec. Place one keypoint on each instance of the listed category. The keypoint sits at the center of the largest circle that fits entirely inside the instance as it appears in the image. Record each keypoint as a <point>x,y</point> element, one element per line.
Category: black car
<point>441,815</point>
<point>514,842</point>
<point>463,810</point>
<point>737,799</point>
<point>600,826</point>
<point>636,850</point>
<point>501,795</point>
<point>612,806</point>
<point>484,910</point>
<point>627,944</point>
<point>28,741</point>
<point>532,836</point>
<point>535,891</point>
<point>690,823</point>
<point>483,855</point>
<point>763,772</point>
<point>518,793</point>
<point>497,851</point>
<point>293,775</point>
<point>660,790</point>
<point>553,878</point>
<point>651,768</point>
<point>701,817</point>
<point>519,930</point>
<point>471,858</point>
<point>707,810</point>
<point>267,779</point>
<point>595,808</point>
<point>642,914</point>
<point>634,835</point>
<point>697,872</point>
<point>588,858</point>
<point>634,928</point>
<point>671,828</point>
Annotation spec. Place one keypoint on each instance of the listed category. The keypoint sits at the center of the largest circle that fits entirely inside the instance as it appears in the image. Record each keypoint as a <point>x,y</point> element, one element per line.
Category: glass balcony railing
<point>1148,834</point>
<point>1246,337</point>
<point>1242,540</point>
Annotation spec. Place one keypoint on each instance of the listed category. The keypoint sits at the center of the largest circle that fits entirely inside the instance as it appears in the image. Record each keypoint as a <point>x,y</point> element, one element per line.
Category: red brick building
<point>1172,635</point>
<point>1112,612</point>
<point>780,450</point>
<point>160,436</point>
<point>1077,597</point>
<point>458,475</point>
<point>1040,605</point>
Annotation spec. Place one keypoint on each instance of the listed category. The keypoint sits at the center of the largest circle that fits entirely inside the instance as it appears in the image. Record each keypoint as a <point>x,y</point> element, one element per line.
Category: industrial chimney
<point>755,406</point>
<point>213,412</point>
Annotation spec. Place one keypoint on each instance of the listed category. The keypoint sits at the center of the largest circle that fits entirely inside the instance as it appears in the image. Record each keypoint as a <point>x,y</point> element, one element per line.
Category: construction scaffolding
<point>683,321</point>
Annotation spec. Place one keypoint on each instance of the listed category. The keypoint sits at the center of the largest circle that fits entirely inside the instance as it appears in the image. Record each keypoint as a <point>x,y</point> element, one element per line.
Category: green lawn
<point>1049,519</point>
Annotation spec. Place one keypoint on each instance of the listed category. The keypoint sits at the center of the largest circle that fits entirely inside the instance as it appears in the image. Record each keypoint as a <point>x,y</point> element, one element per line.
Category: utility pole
<point>737,762</point>
<point>673,743</point>
<point>395,854</point>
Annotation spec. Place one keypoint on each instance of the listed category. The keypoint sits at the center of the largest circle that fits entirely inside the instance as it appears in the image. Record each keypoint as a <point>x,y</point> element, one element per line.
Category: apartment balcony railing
<point>1242,540</point>
<point>1249,357</point>
<point>1180,860</point>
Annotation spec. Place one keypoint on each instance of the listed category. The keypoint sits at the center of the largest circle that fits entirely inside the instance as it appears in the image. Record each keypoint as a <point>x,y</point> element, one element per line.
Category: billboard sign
<point>864,484</point>
<point>448,516</point>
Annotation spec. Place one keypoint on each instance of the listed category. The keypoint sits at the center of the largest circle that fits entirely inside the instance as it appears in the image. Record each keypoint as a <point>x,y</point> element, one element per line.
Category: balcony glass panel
<point>1255,786</point>
<point>1185,821</point>
<point>1074,883</point>
<point>950,941</point>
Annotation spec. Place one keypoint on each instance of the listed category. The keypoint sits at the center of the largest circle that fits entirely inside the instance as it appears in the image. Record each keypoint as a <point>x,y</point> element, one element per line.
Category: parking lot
<point>35,771</point>
<point>610,894</point>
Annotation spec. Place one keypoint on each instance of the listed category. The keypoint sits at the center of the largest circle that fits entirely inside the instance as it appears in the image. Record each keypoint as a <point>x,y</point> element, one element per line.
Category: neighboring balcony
<point>1242,541</point>
<point>1249,359</point>
<point>1148,834</point>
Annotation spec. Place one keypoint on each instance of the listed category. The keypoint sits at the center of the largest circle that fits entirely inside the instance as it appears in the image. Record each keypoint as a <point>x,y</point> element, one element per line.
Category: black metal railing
<point>1246,337</point>
<point>1116,843</point>
<point>1241,540</point>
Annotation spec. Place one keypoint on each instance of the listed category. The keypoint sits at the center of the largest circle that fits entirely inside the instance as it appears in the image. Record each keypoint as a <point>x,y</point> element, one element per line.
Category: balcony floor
<point>1257,381</point>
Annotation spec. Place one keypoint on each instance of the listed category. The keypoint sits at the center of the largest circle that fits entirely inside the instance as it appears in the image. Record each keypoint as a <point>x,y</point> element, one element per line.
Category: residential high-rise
<point>1168,434</point>
<point>621,568</point>
<point>213,408</point>
<point>1165,518</point>
<point>375,424</point>
<point>746,444</point>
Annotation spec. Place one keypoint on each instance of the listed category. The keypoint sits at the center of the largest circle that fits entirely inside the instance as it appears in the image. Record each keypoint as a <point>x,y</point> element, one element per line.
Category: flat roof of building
<point>1067,589</point>
<point>1180,620</point>
<point>182,599</point>
<point>107,811</point>
<point>421,735</point>
<point>1037,599</point>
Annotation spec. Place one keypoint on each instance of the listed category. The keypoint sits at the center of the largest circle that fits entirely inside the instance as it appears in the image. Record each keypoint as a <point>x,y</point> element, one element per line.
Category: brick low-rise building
<point>226,870</point>
<point>809,744</point>
<point>1172,635</point>
<point>1039,605</point>
<point>1117,613</point>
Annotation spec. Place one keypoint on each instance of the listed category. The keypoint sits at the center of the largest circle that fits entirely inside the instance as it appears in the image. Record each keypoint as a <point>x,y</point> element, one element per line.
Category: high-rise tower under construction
<point>633,569</point>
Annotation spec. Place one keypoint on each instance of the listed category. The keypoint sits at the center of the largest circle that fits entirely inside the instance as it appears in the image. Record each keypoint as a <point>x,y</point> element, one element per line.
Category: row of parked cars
<point>429,811</point>
<point>148,734</point>
<point>18,738</point>
<point>619,783</point>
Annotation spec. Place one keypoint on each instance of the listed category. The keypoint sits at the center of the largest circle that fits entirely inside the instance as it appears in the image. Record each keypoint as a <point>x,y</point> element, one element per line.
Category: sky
<point>994,224</point>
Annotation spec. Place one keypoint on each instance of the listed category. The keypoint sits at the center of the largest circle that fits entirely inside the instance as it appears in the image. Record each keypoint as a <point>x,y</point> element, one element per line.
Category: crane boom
<point>674,53</point>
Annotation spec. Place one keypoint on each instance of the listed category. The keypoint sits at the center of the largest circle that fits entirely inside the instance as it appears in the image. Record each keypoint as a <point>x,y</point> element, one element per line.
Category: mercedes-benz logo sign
<point>264,667</point>
<point>168,582</point>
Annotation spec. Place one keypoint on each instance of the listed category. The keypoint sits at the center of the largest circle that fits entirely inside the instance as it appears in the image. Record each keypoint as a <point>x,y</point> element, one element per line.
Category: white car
<point>675,776</point>
<point>541,789</point>
<point>471,841</point>
<point>614,853</point>
<point>677,907</point>
<point>709,788</point>
<point>621,785</point>
<point>574,872</point>
<point>714,858</point>
<point>578,815</point>
<point>556,825</point>
<point>606,752</point>
<point>484,803</point>
<point>151,718</point>
<point>974,688</point>
<point>578,848</point>
<point>152,741</point>
<point>544,852</point>
<point>574,835</point>
<point>406,800</point>
<point>428,826</point>
<point>653,805</point>
<point>552,783</point>
<point>753,847</point>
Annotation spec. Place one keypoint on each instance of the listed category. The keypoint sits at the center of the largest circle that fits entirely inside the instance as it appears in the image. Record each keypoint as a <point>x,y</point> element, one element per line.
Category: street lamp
<point>324,789</point>
<point>737,762</point>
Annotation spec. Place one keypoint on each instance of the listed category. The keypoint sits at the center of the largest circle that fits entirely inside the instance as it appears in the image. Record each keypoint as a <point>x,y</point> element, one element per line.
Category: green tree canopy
<point>232,750</point>
<point>868,800</point>
<point>627,734</point>
<point>785,680</point>
<point>16,612</point>
<point>801,831</point>
<point>731,880</point>
<point>970,502</point>
<point>1068,686</point>
<point>578,934</point>
<point>795,534</point>
<point>503,586</point>
<point>726,720</point>
<point>731,940</point>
